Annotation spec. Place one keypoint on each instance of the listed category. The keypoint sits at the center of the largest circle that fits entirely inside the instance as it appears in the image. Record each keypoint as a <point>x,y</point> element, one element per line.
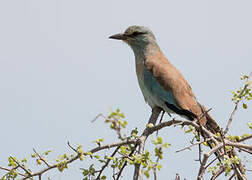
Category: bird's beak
<point>119,36</point>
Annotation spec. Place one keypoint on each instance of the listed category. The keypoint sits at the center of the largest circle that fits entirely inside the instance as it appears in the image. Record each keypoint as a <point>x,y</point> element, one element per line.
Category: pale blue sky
<point>58,70</point>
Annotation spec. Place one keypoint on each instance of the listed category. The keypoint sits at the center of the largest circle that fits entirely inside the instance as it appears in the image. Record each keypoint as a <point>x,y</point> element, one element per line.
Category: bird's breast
<point>149,97</point>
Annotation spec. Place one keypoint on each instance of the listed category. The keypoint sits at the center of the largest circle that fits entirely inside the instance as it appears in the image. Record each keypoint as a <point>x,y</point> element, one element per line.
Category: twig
<point>6,169</point>
<point>231,117</point>
<point>204,114</point>
<point>41,158</point>
<point>189,147</point>
<point>213,161</point>
<point>232,176</point>
<point>141,141</point>
<point>125,163</point>
<point>177,177</point>
<point>106,164</point>
<point>244,139</point>
<point>223,141</point>
<point>126,156</point>
<point>68,143</point>
<point>217,174</point>
<point>155,170</point>
<point>216,148</point>
<point>245,150</point>
<point>140,144</point>
<point>96,117</point>
<point>236,106</point>
<point>20,165</point>
<point>112,145</point>
<point>78,155</point>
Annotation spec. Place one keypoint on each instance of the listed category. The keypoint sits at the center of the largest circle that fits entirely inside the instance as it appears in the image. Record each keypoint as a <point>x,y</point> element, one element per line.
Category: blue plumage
<point>153,86</point>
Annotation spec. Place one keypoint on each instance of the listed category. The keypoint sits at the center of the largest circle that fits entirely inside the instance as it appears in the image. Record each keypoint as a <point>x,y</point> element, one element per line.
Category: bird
<point>161,83</point>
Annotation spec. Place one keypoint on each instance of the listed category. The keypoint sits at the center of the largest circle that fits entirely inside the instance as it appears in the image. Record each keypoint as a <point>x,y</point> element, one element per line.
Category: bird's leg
<point>154,116</point>
<point>162,115</point>
<point>161,118</point>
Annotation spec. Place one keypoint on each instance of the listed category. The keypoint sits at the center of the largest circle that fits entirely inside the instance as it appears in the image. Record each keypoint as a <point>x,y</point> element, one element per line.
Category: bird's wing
<point>170,85</point>
<point>155,87</point>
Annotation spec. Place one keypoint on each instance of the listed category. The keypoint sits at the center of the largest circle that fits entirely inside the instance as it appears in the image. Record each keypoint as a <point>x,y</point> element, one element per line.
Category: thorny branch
<point>140,143</point>
<point>236,104</point>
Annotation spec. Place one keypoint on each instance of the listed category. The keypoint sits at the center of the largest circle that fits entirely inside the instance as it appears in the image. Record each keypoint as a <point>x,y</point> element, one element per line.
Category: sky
<point>58,70</point>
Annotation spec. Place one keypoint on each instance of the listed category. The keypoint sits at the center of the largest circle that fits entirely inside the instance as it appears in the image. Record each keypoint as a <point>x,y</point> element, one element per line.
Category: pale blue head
<point>139,38</point>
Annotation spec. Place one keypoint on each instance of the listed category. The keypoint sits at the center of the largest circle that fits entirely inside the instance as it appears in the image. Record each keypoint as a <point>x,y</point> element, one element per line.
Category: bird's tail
<point>213,127</point>
<point>210,123</point>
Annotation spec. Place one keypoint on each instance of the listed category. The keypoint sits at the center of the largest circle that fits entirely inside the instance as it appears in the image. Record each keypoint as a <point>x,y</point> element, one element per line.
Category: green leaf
<point>85,172</point>
<point>245,106</point>
<point>160,140</point>
<point>123,149</point>
<point>47,152</point>
<point>103,177</point>
<point>39,162</point>
<point>166,145</point>
<point>159,166</point>
<point>249,125</point>
<point>147,174</point>
<point>24,160</point>
<point>33,155</point>
<point>245,135</point>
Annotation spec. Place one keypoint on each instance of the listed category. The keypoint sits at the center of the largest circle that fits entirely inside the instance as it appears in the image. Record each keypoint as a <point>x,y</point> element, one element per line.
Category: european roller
<point>161,83</point>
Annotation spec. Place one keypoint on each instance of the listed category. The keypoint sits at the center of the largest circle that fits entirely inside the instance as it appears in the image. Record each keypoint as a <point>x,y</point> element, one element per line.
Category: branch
<point>106,164</point>
<point>231,117</point>
<point>125,163</point>
<point>141,141</point>
<point>20,165</point>
<point>193,144</point>
<point>244,139</point>
<point>217,174</point>
<point>9,170</point>
<point>236,104</point>
<point>216,148</point>
<point>108,146</point>
<point>41,158</point>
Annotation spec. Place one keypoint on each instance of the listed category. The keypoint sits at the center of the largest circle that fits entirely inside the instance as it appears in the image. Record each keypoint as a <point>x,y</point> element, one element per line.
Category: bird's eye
<point>134,34</point>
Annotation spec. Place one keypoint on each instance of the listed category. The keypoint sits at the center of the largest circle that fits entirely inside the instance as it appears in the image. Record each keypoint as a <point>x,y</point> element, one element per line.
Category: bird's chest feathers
<point>140,72</point>
<point>141,76</point>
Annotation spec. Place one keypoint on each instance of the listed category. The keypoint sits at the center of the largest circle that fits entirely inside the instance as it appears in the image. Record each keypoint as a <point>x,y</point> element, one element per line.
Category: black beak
<point>119,36</point>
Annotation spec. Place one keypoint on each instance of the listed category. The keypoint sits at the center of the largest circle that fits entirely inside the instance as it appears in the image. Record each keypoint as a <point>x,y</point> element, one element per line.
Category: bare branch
<point>231,117</point>
<point>141,141</point>
<point>217,174</point>
<point>41,158</point>
<point>106,164</point>
<point>216,148</point>
<point>6,169</point>
<point>194,144</point>
<point>236,105</point>
<point>20,165</point>
<point>68,143</point>
<point>244,139</point>
<point>125,163</point>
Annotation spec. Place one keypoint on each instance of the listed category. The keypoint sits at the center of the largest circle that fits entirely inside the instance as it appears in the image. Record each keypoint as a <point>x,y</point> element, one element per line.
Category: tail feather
<point>213,127</point>
<point>211,124</point>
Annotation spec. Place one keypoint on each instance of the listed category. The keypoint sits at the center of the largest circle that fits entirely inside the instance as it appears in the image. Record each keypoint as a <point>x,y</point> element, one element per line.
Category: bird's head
<point>137,37</point>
